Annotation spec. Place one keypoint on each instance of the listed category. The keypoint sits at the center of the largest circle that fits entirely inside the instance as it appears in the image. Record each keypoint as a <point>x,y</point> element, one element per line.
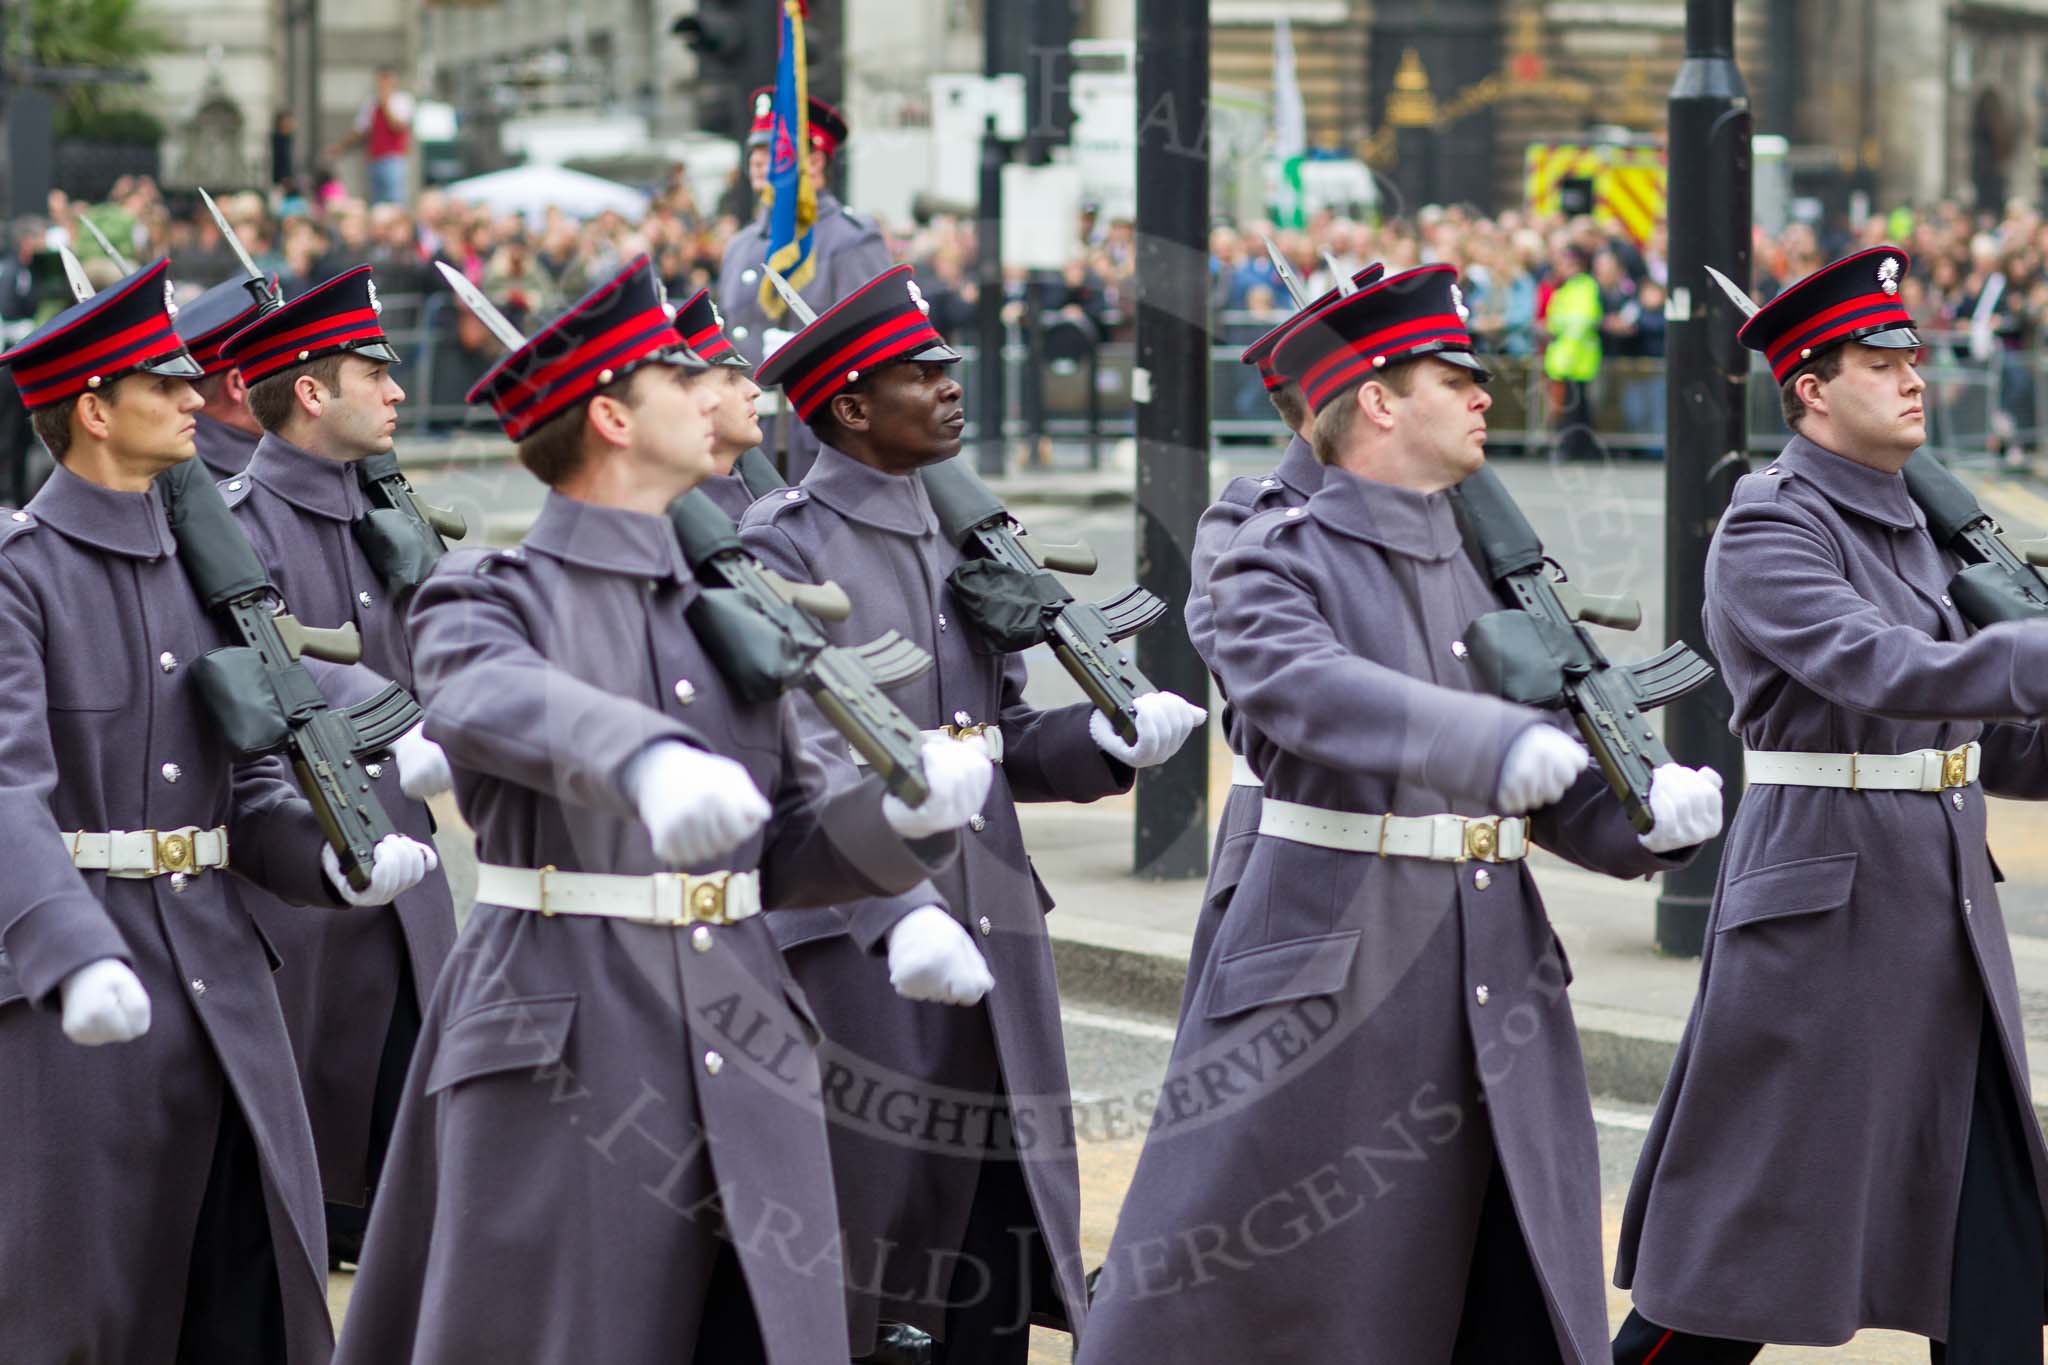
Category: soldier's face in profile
<point>1444,414</point>
<point>735,427</point>
<point>672,425</point>
<point>914,415</point>
<point>361,417</point>
<point>148,420</point>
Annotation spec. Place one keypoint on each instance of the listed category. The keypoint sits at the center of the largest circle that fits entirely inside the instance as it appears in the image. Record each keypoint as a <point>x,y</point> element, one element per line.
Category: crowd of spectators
<point>1569,296</point>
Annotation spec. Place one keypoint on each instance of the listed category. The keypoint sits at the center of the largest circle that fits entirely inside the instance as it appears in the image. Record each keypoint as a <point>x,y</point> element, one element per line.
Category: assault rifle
<point>2000,584</point>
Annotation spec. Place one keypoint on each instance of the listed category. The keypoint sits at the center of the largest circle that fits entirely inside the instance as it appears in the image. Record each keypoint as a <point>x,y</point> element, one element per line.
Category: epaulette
<point>766,509</point>
<point>1762,486</point>
<point>481,559</point>
<point>1275,522</point>
<point>864,224</point>
<point>236,490</point>
<point>14,524</point>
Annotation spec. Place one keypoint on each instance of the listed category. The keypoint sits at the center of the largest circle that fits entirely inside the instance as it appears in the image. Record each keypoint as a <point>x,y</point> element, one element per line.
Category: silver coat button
<point>962,719</point>
<point>985,927</point>
<point>793,495</point>
<point>1482,995</point>
<point>700,939</point>
<point>977,822</point>
<point>1967,907</point>
<point>364,598</point>
<point>179,881</point>
<point>749,276</point>
<point>1269,483</point>
<point>374,770</point>
<point>198,986</point>
<point>942,620</point>
<point>1294,511</point>
<point>1946,601</point>
<point>1482,879</point>
<point>739,333</point>
<point>713,1063</point>
<point>1458,650</point>
<point>686,691</point>
<point>172,772</point>
<point>19,516</point>
<point>1956,799</point>
<point>167,661</point>
<point>234,485</point>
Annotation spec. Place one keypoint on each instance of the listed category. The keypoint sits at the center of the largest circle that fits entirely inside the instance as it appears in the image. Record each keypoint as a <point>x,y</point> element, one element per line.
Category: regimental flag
<point>792,199</point>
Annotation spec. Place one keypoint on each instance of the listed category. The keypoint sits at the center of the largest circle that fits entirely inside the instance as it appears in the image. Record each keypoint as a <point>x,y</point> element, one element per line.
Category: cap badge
<point>376,304</point>
<point>917,296</point>
<point>1458,303</point>
<point>668,310</point>
<point>717,318</point>
<point>170,302</point>
<point>764,104</point>
<point>1888,274</point>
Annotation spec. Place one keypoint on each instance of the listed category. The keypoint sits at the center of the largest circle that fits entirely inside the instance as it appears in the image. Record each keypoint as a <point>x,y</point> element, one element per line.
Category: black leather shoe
<point>898,1343</point>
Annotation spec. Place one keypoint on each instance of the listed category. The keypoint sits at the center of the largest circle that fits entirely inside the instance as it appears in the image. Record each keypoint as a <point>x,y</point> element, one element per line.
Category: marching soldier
<point>735,427</point>
<point>1847,1137</point>
<point>612,1146</point>
<point>1374,1136</point>
<point>317,375</point>
<point>228,431</point>
<point>1291,483</point>
<point>964,1223</point>
<point>162,1199</point>
<point>847,248</point>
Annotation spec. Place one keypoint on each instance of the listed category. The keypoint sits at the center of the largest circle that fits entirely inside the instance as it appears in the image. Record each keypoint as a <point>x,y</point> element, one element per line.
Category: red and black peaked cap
<point>206,323</point>
<point>878,324</point>
<point>620,326</point>
<point>1260,353</point>
<point>703,331</point>
<point>828,125</point>
<point>123,328</point>
<point>1854,299</point>
<point>340,315</point>
<point>1409,316</point>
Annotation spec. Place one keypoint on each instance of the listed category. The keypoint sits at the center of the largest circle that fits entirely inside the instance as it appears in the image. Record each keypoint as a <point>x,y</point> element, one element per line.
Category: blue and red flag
<point>792,199</point>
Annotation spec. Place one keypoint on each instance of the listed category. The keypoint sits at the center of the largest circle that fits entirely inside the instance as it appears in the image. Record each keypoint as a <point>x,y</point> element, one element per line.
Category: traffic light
<point>735,46</point>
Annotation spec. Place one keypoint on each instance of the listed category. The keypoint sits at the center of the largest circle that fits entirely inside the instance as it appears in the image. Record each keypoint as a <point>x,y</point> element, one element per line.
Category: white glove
<point>696,805</point>
<point>422,767</point>
<point>397,865</point>
<point>104,1003</point>
<point>1541,766</point>
<point>932,958</point>
<point>958,774</point>
<point>1164,723</point>
<point>1687,805</point>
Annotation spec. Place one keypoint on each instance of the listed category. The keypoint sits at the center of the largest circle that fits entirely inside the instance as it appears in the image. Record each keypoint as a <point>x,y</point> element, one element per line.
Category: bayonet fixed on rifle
<point>800,310</point>
<point>1346,286</point>
<point>1538,651</point>
<point>260,692</point>
<point>2000,583</point>
<point>120,261</point>
<point>495,322</point>
<point>74,275</point>
<point>258,283</point>
<point>758,627</point>
<point>1289,281</point>
<point>1085,638</point>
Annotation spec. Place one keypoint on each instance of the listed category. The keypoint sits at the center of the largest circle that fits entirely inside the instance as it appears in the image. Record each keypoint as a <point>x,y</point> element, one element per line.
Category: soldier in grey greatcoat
<point>1374,1139</point>
<point>162,1201</point>
<point>353,984</point>
<point>847,251</point>
<point>1290,484</point>
<point>1847,1138</point>
<point>950,1131</point>
<point>227,432</point>
<point>612,1146</point>
<point>735,426</point>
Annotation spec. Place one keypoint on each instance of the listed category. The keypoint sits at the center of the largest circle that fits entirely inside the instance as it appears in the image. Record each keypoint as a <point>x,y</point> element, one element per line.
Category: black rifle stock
<point>1539,652</point>
<point>402,534</point>
<point>1998,584</point>
<point>1085,637</point>
<point>757,625</point>
<point>261,694</point>
<point>759,473</point>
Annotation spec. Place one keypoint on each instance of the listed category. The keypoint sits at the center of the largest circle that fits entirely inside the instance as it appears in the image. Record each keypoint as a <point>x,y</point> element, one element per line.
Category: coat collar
<point>131,524</point>
<point>1857,487</point>
<point>309,482</point>
<point>889,502</point>
<point>225,449</point>
<point>1299,468</point>
<point>1417,525</point>
<point>608,539</point>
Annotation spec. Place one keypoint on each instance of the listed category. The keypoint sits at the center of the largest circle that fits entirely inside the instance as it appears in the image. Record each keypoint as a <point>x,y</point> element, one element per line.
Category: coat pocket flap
<point>794,928</point>
<point>1805,886</point>
<point>504,1035</point>
<point>1276,972</point>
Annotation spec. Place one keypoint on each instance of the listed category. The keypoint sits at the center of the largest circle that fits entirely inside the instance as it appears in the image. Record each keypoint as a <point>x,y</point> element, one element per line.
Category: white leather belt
<point>1241,774</point>
<point>1923,770</point>
<point>988,738</point>
<point>1440,838</point>
<point>667,898</point>
<point>140,853</point>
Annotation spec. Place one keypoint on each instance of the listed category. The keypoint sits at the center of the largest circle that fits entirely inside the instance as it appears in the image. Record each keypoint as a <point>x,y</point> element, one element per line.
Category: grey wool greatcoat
<point>108,1147</point>
<point>911,1085</point>
<point>1802,1175</point>
<point>850,251</point>
<point>1369,1035</point>
<point>342,968</point>
<point>225,450</point>
<point>1293,481</point>
<point>594,1102</point>
<point>729,491</point>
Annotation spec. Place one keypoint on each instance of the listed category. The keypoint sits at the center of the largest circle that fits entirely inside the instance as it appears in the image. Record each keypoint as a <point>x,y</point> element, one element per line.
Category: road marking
<point>1620,1118</point>
<point>1116,1023</point>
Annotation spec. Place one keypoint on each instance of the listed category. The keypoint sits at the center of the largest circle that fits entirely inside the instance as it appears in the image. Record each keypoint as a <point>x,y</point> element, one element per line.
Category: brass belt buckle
<point>1482,838</point>
<point>1955,767</point>
<point>972,732</point>
<point>706,898</point>
<point>173,852</point>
